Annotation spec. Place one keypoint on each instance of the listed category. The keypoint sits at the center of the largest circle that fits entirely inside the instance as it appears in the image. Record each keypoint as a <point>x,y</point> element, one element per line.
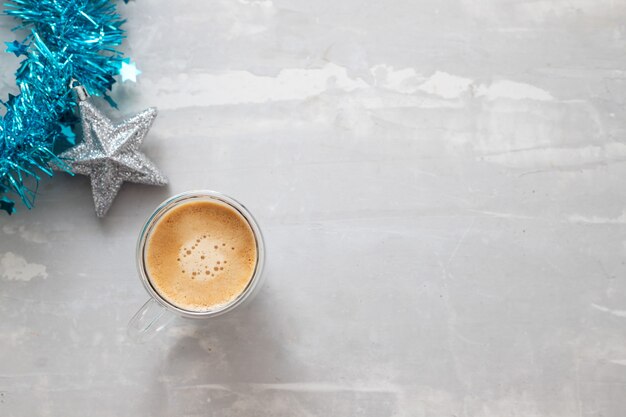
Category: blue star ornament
<point>16,48</point>
<point>109,154</point>
<point>129,71</point>
<point>7,205</point>
<point>69,135</point>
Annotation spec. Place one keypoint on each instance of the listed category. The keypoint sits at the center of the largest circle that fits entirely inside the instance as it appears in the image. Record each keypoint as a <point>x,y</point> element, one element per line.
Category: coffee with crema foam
<point>201,255</point>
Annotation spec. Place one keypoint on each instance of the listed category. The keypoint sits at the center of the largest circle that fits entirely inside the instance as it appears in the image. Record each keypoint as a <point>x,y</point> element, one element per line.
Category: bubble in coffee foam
<point>192,237</point>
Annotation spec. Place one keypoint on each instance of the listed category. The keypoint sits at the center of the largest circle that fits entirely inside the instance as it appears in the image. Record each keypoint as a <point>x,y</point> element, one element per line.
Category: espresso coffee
<point>201,255</point>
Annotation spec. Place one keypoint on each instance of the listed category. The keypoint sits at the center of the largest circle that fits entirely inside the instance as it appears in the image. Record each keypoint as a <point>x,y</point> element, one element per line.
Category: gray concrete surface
<point>441,186</point>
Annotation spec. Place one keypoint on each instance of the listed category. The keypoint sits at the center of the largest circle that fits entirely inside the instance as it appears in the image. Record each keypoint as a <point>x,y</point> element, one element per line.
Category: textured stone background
<point>441,185</point>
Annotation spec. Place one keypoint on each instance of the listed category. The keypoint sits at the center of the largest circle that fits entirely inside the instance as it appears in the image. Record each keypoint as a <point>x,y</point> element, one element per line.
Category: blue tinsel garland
<point>66,40</point>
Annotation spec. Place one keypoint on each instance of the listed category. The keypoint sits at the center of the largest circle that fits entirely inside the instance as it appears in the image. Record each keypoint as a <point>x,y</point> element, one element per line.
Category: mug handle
<point>150,320</point>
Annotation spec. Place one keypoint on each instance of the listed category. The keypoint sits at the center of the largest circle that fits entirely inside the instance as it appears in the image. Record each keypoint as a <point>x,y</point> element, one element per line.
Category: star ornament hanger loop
<point>109,153</point>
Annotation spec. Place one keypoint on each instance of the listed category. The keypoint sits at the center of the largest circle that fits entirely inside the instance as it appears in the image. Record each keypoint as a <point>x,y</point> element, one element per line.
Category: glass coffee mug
<point>158,311</point>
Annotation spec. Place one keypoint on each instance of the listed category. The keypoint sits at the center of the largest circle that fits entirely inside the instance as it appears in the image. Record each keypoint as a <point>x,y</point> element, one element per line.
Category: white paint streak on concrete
<point>621,362</point>
<point>15,268</point>
<point>325,387</point>
<point>243,87</point>
<point>320,387</point>
<point>505,89</point>
<point>404,80</point>
<point>576,218</point>
<point>617,313</point>
<point>551,157</point>
<point>409,81</point>
<point>238,86</point>
<point>446,85</point>
<point>502,215</point>
<point>449,86</point>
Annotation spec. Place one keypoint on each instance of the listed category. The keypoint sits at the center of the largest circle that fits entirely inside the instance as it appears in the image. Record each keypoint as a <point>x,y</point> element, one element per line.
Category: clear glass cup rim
<point>175,201</point>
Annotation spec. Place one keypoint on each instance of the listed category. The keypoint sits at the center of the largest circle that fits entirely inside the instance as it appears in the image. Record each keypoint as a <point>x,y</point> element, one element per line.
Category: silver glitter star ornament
<point>110,154</point>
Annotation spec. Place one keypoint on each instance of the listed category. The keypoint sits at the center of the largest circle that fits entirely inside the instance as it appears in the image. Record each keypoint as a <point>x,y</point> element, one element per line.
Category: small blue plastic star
<point>70,136</point>
<point>129,71</point>
<point>7,205</point>
<point>10,101</point>
<point>16,48</point>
